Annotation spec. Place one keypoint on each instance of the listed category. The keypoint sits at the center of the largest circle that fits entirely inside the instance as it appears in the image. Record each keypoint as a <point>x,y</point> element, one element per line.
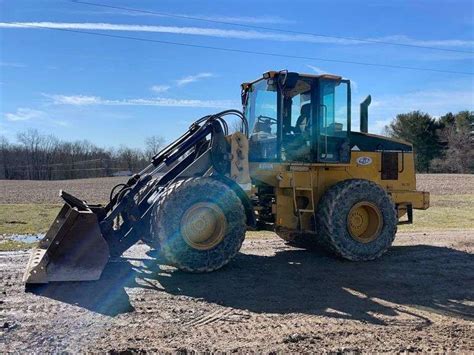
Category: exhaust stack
<point>364,114</point>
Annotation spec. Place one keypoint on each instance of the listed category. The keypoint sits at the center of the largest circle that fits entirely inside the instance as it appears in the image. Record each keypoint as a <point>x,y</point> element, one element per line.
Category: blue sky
<point>113,91</point>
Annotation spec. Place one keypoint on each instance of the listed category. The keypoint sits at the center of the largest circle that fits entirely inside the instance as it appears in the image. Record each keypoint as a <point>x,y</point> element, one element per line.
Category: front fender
<point>249,212</point>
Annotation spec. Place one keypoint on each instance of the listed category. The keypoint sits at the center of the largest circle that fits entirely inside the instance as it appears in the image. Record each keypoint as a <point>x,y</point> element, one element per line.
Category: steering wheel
<point>267,119</point>
<point>264,124</point>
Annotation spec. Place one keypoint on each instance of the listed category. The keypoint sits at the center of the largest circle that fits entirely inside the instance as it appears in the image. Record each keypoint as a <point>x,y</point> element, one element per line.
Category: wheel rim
<point>203,225</point>
<point>364,222</point>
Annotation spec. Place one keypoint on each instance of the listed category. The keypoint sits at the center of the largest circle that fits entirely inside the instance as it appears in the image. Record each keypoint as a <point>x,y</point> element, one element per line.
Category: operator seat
<point>303,123</point>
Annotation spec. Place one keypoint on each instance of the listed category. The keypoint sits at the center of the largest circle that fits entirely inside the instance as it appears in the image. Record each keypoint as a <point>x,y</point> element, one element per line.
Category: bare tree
<point>456,136</point>
<point>32,142</point>
<point>132,159</point>
<point>4,155</point>
<point>153,145</point>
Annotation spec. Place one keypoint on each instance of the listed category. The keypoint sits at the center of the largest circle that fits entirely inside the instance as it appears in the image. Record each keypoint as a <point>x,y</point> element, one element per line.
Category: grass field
<point>452,206</point>
<point>447,212</point>
<point>24,219</point>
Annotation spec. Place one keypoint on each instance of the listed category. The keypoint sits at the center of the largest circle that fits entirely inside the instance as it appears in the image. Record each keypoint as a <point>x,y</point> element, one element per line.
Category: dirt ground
<point>270,298</point>
<point>446,184</point>
<point>97,190</point>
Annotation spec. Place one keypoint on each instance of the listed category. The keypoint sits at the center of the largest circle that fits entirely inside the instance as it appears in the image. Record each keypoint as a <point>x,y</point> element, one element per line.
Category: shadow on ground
<point>427,277</point>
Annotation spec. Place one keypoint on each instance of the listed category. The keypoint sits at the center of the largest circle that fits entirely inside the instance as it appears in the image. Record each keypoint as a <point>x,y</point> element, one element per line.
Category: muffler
<point>73,249</point>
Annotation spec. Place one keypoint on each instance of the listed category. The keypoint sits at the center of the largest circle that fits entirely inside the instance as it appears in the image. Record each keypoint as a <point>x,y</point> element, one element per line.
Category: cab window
<point>333,145</point>
<point>261,111</point>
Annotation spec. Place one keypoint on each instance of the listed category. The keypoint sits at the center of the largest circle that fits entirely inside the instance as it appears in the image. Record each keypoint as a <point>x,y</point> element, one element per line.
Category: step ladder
<point>296,188</point>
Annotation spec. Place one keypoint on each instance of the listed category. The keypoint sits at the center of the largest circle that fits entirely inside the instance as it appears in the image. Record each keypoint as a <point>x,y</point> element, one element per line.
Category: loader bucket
<point>73,249</point>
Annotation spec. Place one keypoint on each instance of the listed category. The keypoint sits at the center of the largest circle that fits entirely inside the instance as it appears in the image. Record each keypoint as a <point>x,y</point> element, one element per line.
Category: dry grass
<point>447,212</point>
<point>26,218</point>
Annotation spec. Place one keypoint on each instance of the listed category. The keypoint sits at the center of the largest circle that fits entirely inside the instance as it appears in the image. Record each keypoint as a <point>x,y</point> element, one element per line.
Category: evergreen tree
<point>419,129</point>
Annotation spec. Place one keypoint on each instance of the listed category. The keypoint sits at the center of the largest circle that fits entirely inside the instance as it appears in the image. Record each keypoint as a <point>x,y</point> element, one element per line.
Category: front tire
<point>357,220</point>
<point>199,224</point>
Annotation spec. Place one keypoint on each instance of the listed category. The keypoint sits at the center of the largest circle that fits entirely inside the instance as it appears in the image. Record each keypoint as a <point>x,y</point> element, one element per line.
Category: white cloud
<point>428,43</point>
<point>24,114</point>
<point>192,78</point>
<point>317,70</point>
<point>237,34</point>
<point>247,19</point>
<point>76,100</point>
<point>254,20</point>
<point>12,65</point>
<point>82,100</point>
<point>27,114</point>
<point>158,89</point>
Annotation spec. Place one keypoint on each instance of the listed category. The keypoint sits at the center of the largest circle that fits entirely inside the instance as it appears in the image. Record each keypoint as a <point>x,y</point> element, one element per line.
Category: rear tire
<point>199,224</point>
<point>357,220</point>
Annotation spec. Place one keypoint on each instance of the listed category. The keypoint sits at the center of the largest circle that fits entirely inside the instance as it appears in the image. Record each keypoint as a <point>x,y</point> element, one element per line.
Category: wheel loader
<point>295,166</point>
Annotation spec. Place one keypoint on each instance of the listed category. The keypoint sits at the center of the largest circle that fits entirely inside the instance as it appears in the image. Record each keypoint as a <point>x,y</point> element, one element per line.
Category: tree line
<point>441,145</point>
<point>38,156</point>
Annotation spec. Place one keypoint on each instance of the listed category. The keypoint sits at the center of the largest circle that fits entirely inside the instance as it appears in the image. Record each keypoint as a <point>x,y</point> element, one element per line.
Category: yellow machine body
<point>301,143</point>
<point>310,181</point>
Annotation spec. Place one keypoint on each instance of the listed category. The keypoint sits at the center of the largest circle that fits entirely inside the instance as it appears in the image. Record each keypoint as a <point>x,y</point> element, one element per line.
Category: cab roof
<point>273,74</point>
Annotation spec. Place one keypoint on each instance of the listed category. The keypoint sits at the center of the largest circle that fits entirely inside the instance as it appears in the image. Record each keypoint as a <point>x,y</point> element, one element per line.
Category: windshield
<point>261,112</point>
<point>307,120</point>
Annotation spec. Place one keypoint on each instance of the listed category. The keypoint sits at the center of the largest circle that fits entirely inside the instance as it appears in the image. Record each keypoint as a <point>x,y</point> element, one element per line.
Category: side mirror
<point>244,94</point>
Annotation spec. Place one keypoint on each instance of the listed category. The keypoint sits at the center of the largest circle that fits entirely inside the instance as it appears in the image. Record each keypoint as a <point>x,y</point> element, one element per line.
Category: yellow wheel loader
<point>295,167</point>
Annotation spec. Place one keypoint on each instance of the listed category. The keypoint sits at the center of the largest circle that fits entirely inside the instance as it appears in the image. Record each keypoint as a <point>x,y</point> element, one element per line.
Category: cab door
<point>297,137</point>
<point>333,121</point>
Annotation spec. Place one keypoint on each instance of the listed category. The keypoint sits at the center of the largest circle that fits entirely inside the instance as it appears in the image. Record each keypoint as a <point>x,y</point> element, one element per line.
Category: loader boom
<point>83,236</point>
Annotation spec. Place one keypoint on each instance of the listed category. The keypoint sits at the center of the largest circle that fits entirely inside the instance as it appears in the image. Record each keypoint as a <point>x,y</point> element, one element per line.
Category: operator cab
<point>298,118</point>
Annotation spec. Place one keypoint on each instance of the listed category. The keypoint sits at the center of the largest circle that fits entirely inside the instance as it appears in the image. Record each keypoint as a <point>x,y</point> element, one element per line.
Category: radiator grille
<point>389,166</point>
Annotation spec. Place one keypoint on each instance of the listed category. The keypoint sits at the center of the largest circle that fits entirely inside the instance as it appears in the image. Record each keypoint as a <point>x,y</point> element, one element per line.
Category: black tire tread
<point>171,201</point>
<point>330,219</point>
